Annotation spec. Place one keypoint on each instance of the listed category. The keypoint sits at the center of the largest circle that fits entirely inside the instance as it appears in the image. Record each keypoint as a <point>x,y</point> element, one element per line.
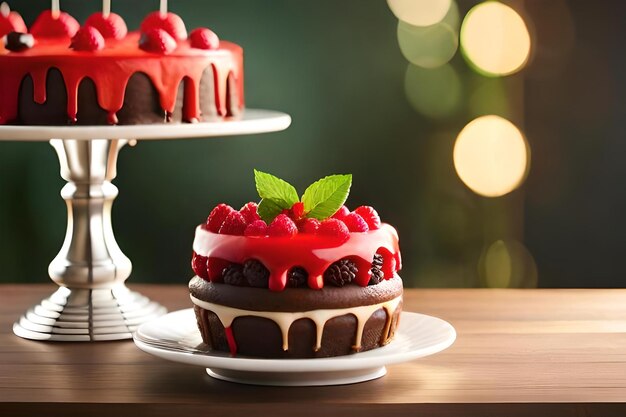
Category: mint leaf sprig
<point>321,199</point>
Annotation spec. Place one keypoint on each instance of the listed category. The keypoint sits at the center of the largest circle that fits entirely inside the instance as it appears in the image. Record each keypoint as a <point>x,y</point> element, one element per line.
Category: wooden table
<point>518,353</point>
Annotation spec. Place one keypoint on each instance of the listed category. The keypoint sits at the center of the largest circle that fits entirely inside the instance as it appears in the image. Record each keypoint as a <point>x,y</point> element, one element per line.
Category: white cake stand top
<point>252,121</point>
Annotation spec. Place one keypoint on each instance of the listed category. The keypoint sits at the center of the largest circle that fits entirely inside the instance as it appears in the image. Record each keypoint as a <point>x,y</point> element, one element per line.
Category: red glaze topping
<point>169,22</point>
<point>12,22</point>
<point>314,253</point>
<point>111,26</point>
<point>111,68</point>
<point>48,26</point>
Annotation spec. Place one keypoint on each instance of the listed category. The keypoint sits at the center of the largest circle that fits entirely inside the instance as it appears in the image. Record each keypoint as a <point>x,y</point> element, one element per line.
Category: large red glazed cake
<point>296,277</point>
<point>60,72</point>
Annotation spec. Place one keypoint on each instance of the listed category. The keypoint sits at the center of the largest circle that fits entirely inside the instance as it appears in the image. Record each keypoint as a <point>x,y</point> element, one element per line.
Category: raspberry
<point>256,228</point>
<point>158,41</point>
<point>111,26</point>
<point>234,224</point>
<point>233,275</point>
<point>256,273</point>
<point>309,225</point>
<point>250,213</point>
<point>170,23</point>
<point>203,38</point>
<point>341,273</point>
<point>48,26</point>
<point>16,41</point>
<point>341,213</point>
<point>377,273</point>
<point>199,265</point>
<point>297,277</point>
<point>215,267</point>
<point>12,22</point>
<point>355,223</point>
<point>282,226</point>
<point>87,39</point>
<point>334,228</point>
<point>297,211</point>
<point>217,217</point>
<point>370,216</point>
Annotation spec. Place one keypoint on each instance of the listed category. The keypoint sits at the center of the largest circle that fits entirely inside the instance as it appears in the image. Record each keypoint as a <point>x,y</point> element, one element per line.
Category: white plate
<point>252,121</point>
<point>175,337</point>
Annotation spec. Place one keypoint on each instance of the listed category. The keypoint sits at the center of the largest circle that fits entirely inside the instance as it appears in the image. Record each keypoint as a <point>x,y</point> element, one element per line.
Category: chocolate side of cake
<point>261,337</point>
<point>294,299</point>
<point>141,102</point>
<point>256,336</point>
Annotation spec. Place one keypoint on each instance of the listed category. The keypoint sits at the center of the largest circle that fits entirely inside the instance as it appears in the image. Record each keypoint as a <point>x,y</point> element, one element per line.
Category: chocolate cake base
<point>262,337</point>
<point>141,102</point>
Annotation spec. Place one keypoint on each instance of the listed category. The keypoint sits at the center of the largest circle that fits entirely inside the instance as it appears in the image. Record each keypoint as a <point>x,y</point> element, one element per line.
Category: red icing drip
<point>232,345</point>
<point>111,68</point>
<point>312,252</point>
<point>112,118</point>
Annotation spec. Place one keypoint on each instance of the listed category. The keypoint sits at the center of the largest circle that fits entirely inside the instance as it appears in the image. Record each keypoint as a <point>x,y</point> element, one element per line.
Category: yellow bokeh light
<point>495,39</point>
<point>427,47</point>
<point>507,264</point>
<point>420,12</point>
<point>491,156</point>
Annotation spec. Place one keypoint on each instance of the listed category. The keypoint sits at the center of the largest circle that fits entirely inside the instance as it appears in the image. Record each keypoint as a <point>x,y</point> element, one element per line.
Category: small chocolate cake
<point>294,282</point>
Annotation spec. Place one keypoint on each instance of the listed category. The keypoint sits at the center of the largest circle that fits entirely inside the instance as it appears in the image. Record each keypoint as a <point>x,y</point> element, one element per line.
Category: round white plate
<point>252,121</point>
<point>175,337</point>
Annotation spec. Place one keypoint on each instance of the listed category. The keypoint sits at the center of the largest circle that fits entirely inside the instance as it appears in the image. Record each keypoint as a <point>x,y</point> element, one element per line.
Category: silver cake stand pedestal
<point>93,303</point>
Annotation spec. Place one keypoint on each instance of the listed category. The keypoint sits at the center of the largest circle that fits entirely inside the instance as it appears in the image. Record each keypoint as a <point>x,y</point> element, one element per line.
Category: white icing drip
<point>284,320</point>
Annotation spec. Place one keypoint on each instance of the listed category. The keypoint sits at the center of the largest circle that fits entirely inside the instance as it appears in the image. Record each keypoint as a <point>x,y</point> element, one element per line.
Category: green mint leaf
<point>323,198</point>
<point>273,188</point>
<point>268,209</point>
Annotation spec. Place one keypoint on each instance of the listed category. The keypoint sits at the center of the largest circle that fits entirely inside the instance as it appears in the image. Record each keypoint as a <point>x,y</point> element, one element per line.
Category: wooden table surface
<point>518,352</point>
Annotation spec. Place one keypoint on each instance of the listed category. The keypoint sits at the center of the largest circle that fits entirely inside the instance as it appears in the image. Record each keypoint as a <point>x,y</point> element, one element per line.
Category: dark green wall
<point>336,68</point>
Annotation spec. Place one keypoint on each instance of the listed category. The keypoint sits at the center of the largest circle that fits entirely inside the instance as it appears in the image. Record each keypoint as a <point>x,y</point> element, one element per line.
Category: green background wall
<point>336,68</point>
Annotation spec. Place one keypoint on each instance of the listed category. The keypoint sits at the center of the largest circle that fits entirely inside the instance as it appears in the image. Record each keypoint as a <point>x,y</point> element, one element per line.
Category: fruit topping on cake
<point>158,41</point>
<point>203,38</point>
<point>287,240</point>
<point>169,22</point>
<point>18,42</point>
<point>111,26</point>
<point>10,21</point>
<point>88,38</point>
<point>54,25</point>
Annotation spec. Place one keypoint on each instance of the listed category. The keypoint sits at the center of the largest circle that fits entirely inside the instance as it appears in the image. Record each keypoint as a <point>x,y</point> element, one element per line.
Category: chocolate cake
<point>61,73</point>
<point>291,278</point>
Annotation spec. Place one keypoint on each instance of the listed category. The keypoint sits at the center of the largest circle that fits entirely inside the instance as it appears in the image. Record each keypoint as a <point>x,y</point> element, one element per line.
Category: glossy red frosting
<point>111,68</point>
<point>314,253</point>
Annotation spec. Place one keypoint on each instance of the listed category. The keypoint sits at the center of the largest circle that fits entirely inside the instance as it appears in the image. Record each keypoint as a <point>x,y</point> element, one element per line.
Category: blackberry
<point>377,272</point>
<point>233,275</point>
<point>341,272</point>
<point>17,42</point>
<point>256,273</point>
<point>297,277</point>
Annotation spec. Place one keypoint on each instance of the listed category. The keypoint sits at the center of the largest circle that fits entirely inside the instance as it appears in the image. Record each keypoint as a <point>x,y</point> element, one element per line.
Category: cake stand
<point>93,303</point>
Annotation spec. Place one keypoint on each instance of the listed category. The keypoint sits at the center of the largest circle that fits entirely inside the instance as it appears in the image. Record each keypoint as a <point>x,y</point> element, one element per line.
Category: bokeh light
<point>495,39</point>
<point>420,12</point>
<point>434,93</point>
<point>427,47</point>
<point>507,264</point>
<point>491,156</point>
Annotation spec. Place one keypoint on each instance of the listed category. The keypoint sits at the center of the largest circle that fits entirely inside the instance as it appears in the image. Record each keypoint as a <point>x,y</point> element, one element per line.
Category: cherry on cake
<point>58,72</point>
<point>296,277</point>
